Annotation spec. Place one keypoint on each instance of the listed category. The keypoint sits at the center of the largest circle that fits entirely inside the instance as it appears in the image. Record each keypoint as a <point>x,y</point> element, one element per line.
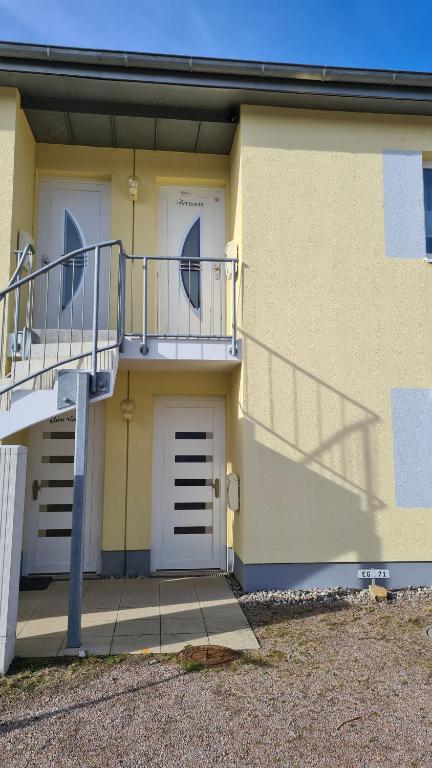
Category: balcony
<point>150,311</point>
<point>180,310</point>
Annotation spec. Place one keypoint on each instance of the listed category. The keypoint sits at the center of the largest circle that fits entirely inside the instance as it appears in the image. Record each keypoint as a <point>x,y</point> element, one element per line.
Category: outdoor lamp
<point>128,407</point>
<point>133,185</point>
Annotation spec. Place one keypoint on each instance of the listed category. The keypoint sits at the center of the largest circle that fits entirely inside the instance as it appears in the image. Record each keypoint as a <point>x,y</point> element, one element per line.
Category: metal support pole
<point>78,510</point>
<point>95,317</point>
<point>121,300</point>
<point>233,349</point>
<point>144,348</point>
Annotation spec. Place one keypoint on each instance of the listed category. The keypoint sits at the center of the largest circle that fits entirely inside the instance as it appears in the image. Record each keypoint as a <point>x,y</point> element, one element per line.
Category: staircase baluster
<point>60,303</point>
<point>95,328</point>
<point>108,324</point>
<point>83,306</point>
<point>48,275</point>
<point>16,321</point>
<point>3,340</point>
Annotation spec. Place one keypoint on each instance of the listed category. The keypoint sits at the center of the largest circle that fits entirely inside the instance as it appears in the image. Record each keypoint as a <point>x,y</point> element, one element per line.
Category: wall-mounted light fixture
<point>133,186</point>
<point>128,407</point>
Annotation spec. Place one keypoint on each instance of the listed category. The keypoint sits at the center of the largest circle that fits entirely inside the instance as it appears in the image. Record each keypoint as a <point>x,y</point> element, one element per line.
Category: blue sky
<point>393,34</point>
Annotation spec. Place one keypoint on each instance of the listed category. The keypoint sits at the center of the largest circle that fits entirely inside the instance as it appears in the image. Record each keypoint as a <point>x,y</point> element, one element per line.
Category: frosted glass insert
<point>190,268</point>
<point>73,268</point>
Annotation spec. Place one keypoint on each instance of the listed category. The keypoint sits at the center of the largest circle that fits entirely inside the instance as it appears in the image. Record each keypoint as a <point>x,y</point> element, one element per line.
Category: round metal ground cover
<point>207,655</point>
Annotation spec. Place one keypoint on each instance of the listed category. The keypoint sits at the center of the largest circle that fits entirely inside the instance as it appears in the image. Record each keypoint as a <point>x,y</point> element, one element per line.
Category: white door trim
<point>47,229</point>
<point>172,311</point>
<point>160,402</point>
<point>94,488</point>
<point>54,182</point>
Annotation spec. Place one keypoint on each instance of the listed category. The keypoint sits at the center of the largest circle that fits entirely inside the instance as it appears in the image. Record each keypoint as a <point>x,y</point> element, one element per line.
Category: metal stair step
<point>23,368</point>
<point>59,350</point>
<point>106,361</point>
<point>55,335</point>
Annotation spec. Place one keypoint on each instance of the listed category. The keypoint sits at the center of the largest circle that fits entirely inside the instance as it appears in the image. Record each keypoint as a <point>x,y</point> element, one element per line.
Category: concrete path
<point>135,615</point>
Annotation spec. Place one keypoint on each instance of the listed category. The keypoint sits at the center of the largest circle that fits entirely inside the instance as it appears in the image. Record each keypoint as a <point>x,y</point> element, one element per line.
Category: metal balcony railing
<point>83,304</point>
<point>69,309</point>
<point>169,297</point>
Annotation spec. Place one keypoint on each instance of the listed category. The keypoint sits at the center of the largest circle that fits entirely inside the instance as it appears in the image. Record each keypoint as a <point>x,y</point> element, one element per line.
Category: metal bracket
<point>67,388</point>
<point>23,340</point>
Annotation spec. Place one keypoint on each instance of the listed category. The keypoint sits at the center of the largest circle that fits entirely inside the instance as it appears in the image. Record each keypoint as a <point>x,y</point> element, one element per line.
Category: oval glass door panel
<point>73,268</point>
<point>72,215</point>
<point>190,267</point>
<point>190,288</point>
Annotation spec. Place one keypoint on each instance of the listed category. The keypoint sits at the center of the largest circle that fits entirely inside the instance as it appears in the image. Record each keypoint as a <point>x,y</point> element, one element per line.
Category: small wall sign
<point>373,573</point>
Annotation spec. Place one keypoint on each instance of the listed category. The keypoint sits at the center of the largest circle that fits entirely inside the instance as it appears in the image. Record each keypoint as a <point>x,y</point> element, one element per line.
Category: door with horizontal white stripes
<point>188,524</point>
<point>50,496</point>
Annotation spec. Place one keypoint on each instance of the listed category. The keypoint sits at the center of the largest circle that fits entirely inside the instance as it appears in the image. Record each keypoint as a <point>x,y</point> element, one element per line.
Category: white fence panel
<point>13,462</point>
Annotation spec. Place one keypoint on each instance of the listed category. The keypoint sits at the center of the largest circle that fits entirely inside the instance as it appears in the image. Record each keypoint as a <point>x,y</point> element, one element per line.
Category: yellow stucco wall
<point>329,326</point>
<point>127,484</point>
<point>17,151</point>
<point>237,520</point>
<point>8,110</point>
<point>135,224</point>
<point>24,179</point>
<point>116,165</point>
<point>17,162</point>
<point>128,450</point>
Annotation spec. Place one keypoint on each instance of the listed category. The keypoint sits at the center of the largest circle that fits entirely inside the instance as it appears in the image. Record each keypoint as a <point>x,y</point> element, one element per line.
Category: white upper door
<point>188,524</point>
<point>48,523</point>
<point>190,293</point>
<point>72,215</point>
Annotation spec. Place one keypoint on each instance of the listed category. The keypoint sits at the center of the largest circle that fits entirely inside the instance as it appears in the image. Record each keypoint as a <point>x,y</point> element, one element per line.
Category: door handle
<point>36,488</point>
<point>216,486</point>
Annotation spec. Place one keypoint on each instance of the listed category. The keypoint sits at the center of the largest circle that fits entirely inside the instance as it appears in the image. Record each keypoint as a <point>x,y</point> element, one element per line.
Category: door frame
<point>217,402</point>
<point>63,183</point>
<point>163,190</point>
<point>94,486</point>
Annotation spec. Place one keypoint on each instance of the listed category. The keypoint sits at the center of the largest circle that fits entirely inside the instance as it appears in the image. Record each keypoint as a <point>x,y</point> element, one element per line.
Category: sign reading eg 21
<point>373,573</point>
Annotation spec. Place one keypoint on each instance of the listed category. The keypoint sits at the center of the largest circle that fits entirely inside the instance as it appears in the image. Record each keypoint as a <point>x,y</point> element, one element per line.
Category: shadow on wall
<point>317,444</point>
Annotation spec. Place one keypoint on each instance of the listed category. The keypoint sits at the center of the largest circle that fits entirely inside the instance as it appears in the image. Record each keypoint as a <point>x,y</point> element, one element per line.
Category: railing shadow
<point>319,445</point>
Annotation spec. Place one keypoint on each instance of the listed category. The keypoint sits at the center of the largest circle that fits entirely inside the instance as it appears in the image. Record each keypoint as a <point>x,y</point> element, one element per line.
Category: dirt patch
<point>345,685</point>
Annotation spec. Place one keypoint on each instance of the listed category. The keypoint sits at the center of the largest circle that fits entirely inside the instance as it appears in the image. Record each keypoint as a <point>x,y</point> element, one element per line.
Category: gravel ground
<point>339,681</point>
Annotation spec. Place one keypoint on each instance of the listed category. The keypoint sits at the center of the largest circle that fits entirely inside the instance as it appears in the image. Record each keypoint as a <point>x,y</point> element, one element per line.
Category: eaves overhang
<point>181,103</point>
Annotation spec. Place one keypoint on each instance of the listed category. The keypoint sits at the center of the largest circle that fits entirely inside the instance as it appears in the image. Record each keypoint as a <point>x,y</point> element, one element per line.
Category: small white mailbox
<point>233,492</point>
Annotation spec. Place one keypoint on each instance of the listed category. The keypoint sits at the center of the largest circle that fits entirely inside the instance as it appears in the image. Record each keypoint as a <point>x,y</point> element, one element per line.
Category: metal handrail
<point>60,260</point>
<point>16,283</point>
<point>216,260</point>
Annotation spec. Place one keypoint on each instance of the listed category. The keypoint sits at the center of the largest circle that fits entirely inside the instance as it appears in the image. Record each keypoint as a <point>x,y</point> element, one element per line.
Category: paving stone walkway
<point>135,615</point>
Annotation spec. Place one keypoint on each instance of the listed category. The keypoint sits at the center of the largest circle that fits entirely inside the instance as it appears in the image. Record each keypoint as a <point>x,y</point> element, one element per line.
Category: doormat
<point>207,655</point>
<point>28,583</point>
<point>185,574</point>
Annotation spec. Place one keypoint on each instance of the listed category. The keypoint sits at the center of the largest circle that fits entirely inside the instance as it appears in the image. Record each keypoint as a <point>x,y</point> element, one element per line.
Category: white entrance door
<point>50,491</point>
<point>188,524</point>
<point>72,215</point>
<point>190,292</point>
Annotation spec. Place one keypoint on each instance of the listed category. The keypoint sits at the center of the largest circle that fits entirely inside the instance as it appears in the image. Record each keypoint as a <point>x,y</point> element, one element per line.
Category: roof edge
<point>100,59</point>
